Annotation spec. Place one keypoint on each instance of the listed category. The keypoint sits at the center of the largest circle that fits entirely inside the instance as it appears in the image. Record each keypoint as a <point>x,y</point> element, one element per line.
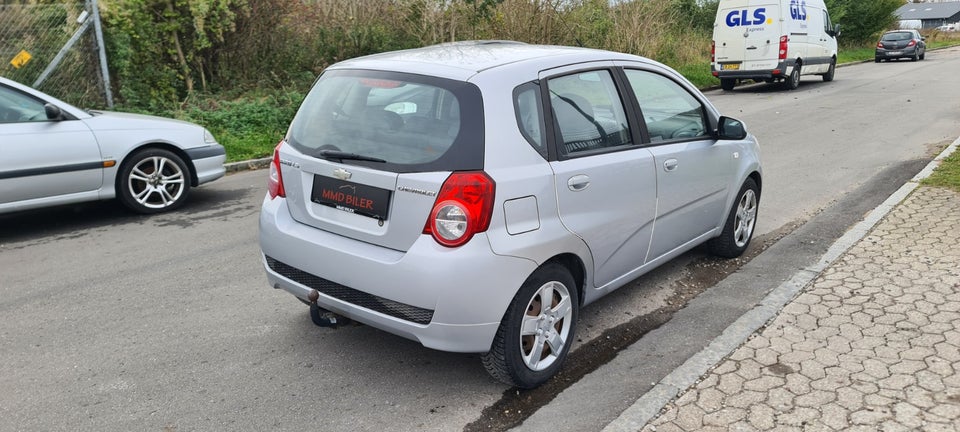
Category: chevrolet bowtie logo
<point>342,174</point>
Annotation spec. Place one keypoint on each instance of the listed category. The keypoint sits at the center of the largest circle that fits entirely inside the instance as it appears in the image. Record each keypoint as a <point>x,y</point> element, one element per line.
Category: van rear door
<point>747,35</point>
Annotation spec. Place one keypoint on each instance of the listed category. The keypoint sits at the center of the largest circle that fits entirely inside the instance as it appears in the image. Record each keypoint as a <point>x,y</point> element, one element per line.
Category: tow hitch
<point>322,317</point>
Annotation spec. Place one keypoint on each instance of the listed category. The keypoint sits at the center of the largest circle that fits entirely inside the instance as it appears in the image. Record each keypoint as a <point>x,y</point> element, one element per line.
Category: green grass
<point>947,174</point>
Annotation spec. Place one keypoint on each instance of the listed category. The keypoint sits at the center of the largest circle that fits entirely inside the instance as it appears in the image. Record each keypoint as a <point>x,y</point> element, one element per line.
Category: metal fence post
<point>104,70</point>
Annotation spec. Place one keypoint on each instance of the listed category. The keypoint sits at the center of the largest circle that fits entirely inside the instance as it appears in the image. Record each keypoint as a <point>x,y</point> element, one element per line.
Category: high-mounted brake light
<point>275,180</point>
<point>463,208</point>
<point>783,47</point>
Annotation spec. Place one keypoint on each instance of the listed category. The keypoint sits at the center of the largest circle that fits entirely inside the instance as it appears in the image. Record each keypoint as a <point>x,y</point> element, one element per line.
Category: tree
<point>863,20</point>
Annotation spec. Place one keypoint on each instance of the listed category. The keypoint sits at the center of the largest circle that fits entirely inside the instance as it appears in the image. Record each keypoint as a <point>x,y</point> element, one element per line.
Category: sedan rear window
<point>409,122</point>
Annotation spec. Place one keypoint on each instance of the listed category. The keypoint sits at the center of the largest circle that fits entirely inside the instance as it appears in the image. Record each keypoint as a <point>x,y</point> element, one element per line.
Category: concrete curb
<point>252,164</point>
<point>650,404</point>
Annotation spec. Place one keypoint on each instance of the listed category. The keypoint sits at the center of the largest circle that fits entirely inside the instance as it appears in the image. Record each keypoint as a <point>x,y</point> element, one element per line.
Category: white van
<point>773,40</point>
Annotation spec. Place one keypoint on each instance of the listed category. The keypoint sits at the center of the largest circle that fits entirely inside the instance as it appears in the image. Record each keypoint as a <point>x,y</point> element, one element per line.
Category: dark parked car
<point>898,44</point>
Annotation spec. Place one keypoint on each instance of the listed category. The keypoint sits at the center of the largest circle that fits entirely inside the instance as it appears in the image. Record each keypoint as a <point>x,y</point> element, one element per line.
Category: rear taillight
<point>783,47</point>
<point>879,44</point>
<point>275,180</point>
<point>912,43</point>
<point>463,208</point>
<point>713,52</point>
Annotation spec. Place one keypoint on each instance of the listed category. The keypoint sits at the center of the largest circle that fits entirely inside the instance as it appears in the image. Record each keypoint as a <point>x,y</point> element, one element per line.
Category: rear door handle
<point>670,164</point>
<point>578,182</point>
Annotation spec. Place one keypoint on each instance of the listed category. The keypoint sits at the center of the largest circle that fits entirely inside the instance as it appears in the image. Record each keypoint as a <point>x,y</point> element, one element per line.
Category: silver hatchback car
<point>473,196</point>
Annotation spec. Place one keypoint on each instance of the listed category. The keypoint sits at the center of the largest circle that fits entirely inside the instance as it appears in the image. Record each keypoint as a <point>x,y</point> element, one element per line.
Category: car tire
<point>916,56</point>
<point>522,354</point>
<point>738,230</point>
<point>153,180</point>
<point>922,56</point>
<point>876,59</point>
<point>793,81</point>
<point>727,84</point>
<point>827,77</point>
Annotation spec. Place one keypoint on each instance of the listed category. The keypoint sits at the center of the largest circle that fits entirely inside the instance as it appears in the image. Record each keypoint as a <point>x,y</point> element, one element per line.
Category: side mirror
<point>53,112</point>
<point>731,129</point>
<point>836,30</point>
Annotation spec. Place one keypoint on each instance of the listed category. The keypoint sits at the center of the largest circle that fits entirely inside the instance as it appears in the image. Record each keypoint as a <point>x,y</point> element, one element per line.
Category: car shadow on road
<point>75,220</point>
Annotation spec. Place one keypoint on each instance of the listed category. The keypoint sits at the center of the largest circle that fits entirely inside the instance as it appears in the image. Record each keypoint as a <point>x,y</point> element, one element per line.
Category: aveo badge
<point>746,17</point>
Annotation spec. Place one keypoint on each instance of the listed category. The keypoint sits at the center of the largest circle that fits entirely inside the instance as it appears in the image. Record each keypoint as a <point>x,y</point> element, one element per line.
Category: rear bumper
<point>782,70</point>
<point>446,299</point>
<point>896,53</point>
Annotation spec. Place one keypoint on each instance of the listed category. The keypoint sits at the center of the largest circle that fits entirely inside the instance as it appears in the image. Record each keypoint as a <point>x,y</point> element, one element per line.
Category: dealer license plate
<point>351,197</point>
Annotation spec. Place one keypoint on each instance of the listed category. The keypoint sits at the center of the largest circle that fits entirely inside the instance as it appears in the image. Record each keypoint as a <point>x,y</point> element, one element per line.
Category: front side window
<point>411,122</point>
<point>671,113</point>
<point>588,112</point>
<point>16,107</point>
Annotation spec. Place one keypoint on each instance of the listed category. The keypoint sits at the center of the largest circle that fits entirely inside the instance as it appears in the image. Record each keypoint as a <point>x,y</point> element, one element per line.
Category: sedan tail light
<point>275,180</point>
<point>463,208</point>
<point>912,42</point>
<point>879,44</point>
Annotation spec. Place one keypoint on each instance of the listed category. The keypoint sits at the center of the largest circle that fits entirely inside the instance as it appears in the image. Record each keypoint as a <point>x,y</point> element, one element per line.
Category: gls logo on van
<point>742,17</point>
<point>798,10</point>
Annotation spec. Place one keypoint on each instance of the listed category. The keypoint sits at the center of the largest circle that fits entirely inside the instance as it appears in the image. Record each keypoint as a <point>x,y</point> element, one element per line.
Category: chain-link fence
<point>56,49</point>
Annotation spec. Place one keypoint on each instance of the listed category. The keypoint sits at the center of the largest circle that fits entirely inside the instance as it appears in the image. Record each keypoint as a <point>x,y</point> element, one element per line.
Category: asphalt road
<point>116,322</point>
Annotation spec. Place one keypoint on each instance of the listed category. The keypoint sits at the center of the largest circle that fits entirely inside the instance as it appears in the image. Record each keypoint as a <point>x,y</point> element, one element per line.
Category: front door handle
<point>578,182</point>
<point>670,164</point>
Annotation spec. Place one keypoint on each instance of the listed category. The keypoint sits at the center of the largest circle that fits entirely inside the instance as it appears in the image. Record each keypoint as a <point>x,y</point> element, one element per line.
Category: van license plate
<point>351,197</point>
<point>731,66</point>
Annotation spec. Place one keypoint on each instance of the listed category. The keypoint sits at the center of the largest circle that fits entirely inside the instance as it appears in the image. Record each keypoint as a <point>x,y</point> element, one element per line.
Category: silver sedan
<point>53,153</point>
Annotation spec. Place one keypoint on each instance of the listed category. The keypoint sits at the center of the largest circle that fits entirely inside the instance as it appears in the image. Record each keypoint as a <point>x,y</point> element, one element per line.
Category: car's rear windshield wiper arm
<point>341,155</point>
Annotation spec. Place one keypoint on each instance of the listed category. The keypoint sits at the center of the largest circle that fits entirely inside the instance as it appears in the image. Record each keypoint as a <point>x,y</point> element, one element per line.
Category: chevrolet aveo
<point>474,196</point>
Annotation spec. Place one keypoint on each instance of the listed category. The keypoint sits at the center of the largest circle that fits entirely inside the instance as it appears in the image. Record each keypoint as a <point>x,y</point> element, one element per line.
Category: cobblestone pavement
<point>872,344</point>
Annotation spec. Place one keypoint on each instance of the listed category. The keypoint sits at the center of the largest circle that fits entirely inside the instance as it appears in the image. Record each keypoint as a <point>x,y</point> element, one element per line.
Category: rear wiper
<point>339,156</point>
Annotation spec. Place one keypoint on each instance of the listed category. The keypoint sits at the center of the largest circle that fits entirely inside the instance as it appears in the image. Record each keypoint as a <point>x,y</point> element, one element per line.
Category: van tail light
<point>275,180</point>
<point>713,52</point>
<point>783,47</point>
<point>463,208</point>
<point>912,42</point>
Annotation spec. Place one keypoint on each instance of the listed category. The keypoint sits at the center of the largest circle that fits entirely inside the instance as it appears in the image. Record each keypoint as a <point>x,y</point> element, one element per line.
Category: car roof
<point>463,60</point>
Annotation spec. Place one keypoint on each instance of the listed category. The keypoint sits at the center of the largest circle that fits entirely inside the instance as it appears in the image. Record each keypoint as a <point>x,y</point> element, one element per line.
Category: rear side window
<point>670,112</point>
<point>588,112</point>
<point>412,122</point>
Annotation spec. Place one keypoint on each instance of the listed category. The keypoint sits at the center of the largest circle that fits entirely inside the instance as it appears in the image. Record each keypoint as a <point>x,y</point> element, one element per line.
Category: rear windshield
<point>413,123</point>
<point>898,36</point>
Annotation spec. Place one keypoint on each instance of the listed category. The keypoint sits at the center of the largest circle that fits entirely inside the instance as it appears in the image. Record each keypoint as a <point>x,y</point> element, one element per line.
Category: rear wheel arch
<point>575,266</point>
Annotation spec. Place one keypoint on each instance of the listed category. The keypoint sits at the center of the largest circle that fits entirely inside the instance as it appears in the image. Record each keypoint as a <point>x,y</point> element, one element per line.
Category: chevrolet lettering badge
<point>342,174</point>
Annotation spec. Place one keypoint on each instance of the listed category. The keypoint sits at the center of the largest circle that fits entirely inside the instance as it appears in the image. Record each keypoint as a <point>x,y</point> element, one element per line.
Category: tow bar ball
<point>322,317</point>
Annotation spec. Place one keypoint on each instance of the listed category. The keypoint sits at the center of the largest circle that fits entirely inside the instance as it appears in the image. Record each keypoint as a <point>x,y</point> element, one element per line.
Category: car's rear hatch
<point>368,151</point>
<point>747,37</point>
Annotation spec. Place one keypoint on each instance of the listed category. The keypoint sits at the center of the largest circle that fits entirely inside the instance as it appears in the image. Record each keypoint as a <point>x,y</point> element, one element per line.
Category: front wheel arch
<point>194,180</point>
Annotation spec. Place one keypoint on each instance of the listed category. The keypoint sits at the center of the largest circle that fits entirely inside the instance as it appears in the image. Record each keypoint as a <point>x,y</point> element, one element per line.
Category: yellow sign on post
<point>21,59</point>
